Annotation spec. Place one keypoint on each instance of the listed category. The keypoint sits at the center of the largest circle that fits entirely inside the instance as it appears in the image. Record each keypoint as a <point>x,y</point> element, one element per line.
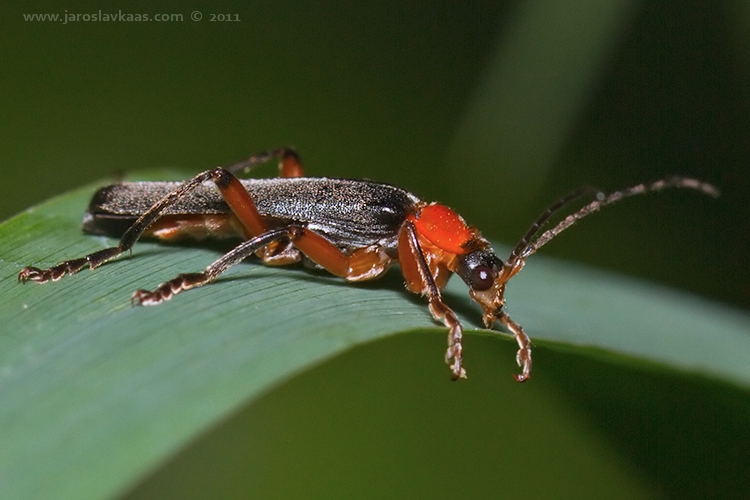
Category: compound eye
<point>482,278</point>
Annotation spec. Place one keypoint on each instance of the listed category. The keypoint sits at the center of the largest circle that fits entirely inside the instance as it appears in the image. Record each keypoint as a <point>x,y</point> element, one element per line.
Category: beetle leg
<point>362,264</point>
<point>289,162</point>
<point>417,274</point>
<point>231,189</point>
<point>96,259</point>
<point>166,290</point>
<point>523,356</point>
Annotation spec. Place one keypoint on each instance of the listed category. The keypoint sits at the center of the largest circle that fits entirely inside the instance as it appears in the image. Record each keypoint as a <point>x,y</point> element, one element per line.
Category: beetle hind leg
<point>54,273</point>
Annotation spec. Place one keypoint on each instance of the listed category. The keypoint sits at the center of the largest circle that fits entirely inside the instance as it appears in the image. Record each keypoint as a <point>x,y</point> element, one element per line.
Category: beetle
<point>354,229</point>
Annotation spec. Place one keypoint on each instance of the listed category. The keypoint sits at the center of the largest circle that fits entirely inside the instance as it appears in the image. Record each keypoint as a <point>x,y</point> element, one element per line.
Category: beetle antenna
<point>519,252</point>
<point>602,200</point>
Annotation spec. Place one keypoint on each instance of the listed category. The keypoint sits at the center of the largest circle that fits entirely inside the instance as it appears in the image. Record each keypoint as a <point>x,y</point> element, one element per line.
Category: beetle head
<point>486,276</point>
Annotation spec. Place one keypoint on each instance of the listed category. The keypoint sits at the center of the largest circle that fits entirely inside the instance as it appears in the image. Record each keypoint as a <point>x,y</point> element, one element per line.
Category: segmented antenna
<point>527,247</point>
<point>544,217</point>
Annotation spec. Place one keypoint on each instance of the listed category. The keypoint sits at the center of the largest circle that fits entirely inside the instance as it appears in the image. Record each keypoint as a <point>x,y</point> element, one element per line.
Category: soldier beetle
<point>355,229</point>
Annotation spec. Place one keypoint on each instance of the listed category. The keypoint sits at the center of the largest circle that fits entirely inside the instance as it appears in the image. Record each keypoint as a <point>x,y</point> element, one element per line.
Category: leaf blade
<point>90,374</point>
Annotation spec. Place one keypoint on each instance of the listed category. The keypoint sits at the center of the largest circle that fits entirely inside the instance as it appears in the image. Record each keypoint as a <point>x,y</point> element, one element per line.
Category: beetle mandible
<point>354,229</point>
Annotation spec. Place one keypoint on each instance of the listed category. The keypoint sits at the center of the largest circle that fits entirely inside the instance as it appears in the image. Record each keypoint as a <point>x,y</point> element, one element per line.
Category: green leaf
<point>95,393</point>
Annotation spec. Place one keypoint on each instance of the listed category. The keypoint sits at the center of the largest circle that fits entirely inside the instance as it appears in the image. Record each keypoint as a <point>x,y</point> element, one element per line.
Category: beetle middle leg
<point>289,162</point>
<point>362,264</point>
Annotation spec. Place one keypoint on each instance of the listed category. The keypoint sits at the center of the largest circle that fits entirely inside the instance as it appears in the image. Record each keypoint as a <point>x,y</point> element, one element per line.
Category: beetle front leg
<point>419,279</point>
<point>454,353</point>
<point>523,356</point>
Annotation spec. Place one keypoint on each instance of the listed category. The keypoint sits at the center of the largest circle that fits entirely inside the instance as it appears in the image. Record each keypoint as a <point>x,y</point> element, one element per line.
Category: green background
<point>492,108</point>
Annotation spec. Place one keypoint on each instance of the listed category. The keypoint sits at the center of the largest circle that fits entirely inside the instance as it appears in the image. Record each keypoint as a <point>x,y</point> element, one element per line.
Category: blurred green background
<point>494,108</point>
